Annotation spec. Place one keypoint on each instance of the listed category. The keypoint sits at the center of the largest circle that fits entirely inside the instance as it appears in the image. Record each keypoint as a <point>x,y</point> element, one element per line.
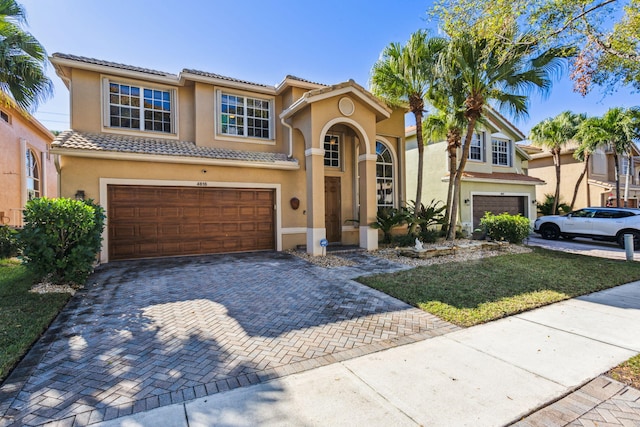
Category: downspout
<point>288,126</point>
<point>56,162</point>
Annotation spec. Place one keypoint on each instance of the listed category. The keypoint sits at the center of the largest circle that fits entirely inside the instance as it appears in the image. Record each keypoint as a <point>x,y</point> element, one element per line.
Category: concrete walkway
<point>489,375</point>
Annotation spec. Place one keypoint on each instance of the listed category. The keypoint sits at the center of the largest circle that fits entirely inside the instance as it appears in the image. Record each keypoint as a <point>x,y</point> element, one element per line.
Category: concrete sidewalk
<point>488,375</point>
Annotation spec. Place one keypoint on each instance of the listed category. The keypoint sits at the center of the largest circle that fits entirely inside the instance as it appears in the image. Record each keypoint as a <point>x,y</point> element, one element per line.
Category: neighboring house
<point>495,178</point>
<point>26,165</point>
<point>199,163</point>
<point>598,187</point>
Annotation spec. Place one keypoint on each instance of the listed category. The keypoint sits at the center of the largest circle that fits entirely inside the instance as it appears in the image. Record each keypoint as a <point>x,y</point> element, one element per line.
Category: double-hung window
<point>501,152</point>
<point>140,108</point>
<point>476,149</point>
<point>245,116</point>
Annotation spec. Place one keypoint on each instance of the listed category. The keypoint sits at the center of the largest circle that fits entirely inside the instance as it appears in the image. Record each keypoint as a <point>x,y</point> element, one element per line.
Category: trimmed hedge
<point>506,227</point>
<point>61,238</point>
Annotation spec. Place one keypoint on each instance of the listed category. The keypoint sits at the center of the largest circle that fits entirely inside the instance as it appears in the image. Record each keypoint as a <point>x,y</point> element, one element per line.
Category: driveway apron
<point>151,333</point>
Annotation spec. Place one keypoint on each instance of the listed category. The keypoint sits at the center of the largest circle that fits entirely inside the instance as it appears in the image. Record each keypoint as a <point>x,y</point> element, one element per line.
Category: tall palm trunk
<point>471,124</point>
<point>616,171</point>
<point>453,142</point>
<point>556,163</point>
<point>418,201</point>
<point>579,181</point>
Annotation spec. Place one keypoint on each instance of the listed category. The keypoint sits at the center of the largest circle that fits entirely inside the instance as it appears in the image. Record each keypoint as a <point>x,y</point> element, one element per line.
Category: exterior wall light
<point>295,203</point>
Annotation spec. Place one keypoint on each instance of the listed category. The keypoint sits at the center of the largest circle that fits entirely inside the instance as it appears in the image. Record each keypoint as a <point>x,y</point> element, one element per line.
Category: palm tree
<point>403,75</point>
<point>447,96</point>
<point>503,77</point>
<point>582,154</point>
<point>554,134</point>
<point>616,130</point>
<point>22,59</point>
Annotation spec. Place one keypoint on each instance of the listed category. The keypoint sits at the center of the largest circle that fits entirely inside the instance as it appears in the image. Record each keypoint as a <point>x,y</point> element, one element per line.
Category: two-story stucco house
<point>199,163</point>
<point>26,164</point>
<point>598,186</point>
<point>495,178</point>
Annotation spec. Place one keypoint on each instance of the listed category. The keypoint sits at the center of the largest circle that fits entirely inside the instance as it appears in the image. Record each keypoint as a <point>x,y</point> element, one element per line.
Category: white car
<point>609,224</point>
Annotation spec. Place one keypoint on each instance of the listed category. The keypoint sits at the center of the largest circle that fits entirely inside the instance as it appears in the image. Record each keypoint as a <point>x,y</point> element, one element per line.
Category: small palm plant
<point>387,219</point>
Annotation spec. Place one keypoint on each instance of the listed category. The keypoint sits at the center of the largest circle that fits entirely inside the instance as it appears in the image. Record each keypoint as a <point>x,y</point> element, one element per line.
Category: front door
<point>332,220</point>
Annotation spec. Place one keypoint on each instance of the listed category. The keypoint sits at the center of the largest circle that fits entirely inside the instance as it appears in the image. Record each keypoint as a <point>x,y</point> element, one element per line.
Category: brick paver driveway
<point>151,333</point>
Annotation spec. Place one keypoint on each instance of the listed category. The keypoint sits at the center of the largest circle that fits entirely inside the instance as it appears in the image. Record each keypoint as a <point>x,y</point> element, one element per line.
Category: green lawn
<point>479,291</point>
<point>23,315</point>
<point>628,372</point>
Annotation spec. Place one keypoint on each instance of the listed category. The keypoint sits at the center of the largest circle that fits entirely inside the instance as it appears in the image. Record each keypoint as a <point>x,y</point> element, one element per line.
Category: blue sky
<point>262,41</point>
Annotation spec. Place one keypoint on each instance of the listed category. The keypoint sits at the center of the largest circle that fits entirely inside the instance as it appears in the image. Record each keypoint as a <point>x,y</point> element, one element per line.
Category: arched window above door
<point>384,176</point>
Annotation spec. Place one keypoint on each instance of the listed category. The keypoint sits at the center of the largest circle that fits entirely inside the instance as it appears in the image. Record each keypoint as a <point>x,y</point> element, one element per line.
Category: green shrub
<point>9,246</point>
<point>387,219</point>
<point>546,208</point>
<point>426,218</point>
<point>506,227</point>
<point>61,238</point>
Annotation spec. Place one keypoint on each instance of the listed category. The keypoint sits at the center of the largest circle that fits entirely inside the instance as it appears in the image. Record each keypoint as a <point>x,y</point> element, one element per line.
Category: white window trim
<point>483,148</point>
<point>340,150</point>
<point>106,113</point>
<point>510,152</point>
<point>394,158</point>
<point>240,138</point>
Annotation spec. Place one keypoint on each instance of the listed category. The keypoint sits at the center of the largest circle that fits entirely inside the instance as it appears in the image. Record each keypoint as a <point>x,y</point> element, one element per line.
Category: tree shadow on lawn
<point>490,288</point>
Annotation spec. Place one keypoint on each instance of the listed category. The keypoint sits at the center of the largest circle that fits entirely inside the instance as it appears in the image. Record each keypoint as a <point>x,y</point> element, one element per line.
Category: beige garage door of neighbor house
<point>496,205</point>
<point>149,221</point>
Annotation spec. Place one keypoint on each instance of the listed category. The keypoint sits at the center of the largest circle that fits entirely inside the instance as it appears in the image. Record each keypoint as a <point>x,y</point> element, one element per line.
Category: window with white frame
<point>501,152</point>
<point>624,170</point>
<point>33,175</point>
<point>332,151</point>
<point>384,175</point>
<point>477,147</point>
<point>245,116</point>
<point>140,108</point>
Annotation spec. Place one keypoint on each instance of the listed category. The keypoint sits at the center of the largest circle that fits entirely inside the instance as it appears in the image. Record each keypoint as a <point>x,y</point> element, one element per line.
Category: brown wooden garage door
<point>148,221</point>
<point>496,204</point>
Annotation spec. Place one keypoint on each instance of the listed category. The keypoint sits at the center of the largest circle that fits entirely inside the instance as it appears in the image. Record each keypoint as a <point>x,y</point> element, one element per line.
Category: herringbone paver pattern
<point>603,402</point>
<point>151,333</point>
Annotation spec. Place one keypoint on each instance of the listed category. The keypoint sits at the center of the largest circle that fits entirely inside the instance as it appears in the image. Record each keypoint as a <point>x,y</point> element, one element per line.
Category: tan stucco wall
<point>12,163</point>
<point>570,169</point>
<point>436,183</point>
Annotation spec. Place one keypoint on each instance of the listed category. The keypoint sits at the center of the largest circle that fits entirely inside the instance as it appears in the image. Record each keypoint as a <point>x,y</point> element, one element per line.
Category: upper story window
<point>599,162</point>
<point>384,175</point>
<point>624,169</point>
<point>4,117</point>
<point>245,116</point>
<point>477,148</point>
<point>140,108</point>
<point>332,151</point>
<point>501,152</point>
<point>33,175</point>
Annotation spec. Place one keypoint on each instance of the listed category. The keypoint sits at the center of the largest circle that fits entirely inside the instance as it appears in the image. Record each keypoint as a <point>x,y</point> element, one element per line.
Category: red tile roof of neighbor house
<point>103,142</point>
<point>502,176</point>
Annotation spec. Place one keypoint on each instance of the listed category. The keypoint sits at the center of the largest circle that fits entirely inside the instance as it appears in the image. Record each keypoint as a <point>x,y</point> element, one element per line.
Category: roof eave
<point>159,158</point>
<point>59,63</point>
<point>267,90</point>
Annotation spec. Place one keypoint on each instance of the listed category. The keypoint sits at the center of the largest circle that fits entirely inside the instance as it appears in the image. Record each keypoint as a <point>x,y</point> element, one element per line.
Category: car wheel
<point>550,232</point>
<point>636,239</point>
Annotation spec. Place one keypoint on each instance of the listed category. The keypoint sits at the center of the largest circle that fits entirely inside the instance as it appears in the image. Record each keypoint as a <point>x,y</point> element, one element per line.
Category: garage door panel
<point>166,221</point>
<point>496,205</point>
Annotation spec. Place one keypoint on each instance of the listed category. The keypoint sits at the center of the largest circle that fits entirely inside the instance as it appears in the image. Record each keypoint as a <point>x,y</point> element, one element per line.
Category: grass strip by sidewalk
<point>24,315</point>
<point>628,372</point>
<point>474,292</point>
